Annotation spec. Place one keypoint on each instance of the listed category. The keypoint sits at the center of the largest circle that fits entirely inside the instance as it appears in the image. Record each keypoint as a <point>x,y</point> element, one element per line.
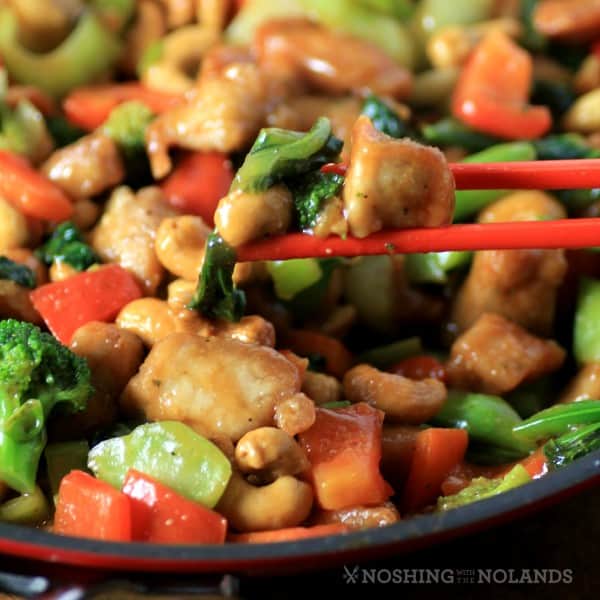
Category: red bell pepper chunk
<point>29,191</point>
<point>437,453</point>
<point>90,296</point>
<point>344,450</point>
<point>420,367</point>
<point>88,107</point>
<point>200,180</point>
<point>161,515</point>
<point>88,507</point>
<point>290,534</point>
<point>493,90</point>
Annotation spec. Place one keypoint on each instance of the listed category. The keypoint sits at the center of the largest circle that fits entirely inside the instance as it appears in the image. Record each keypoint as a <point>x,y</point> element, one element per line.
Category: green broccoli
<point>67,245</point>
<point>126,125</point>
<point>311,192</point>
<point>13,271</point>
<point>36,374</point>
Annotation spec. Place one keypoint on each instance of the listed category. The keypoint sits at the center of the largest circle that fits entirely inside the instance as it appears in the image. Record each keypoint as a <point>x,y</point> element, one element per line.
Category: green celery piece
<point>383,117</point>
<point>572,445</point>
<point>172,453</point>
<point>488,420</point>
<point>20,274</point>
<point>558,419</point>
<point>470,202</point>
<point>62,458</point>
<point>383,357</point>
<point>269,162</point>
<point>433,267</point>
<point>290,277</point>
<point>347,16</point>
<point>451,132</point>
<point>586,334</point>
<point>28,509</point>
<point>88,52</point>
<point>216,295</point>
<point>482,488</point>
<point>401,9</point>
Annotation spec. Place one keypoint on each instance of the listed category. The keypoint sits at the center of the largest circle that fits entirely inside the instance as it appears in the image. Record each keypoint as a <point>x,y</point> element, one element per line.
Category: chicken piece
<point>87,167</point>
<point>127,231</point>
<point>495,356</point>
<point>402,399</point>
<point>584,386</point>
<point>223,113</point>
<point>395,183</point>
<point>521,285</point>
<point>331,62</point>
<point>576,20</point>
<point>216,386</point>
<point>359,517</point>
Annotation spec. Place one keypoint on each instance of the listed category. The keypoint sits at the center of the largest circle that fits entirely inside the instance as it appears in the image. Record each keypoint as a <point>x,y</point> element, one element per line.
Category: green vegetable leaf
<point>13,271</point>
<point>558,419</point>
<point>572,445</point>
<point>278,154</point>
<point>66,244</point>
<point>310,194</point>
<point>482,488</point>
<point>384,118</point>
<point>563,147</point>
<point>216,295</point>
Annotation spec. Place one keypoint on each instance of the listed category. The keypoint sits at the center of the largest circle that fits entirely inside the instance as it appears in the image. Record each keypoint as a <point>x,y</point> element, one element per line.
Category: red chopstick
<point>563,233</point>
<point>531,175</point>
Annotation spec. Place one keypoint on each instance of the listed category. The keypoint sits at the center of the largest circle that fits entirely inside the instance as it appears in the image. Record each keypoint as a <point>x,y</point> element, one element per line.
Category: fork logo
<point>351,575</point>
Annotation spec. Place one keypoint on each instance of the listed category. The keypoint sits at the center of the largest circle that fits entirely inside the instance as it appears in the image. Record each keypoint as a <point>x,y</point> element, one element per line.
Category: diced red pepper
<point>290,534</point>
<point>344,450</point>
<point>492,92</point>
<point>161,515</point>
<point>437,453</point>
<point>200,180</point>
<point>88,107</point>
<point>96,295</point>
<point>336,168</point>
<point>29,191</point>
<point>90,508</point>
<point>420,367</point>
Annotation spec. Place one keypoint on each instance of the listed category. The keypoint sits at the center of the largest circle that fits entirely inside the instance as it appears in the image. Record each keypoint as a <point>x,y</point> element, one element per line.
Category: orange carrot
<point>290,534</point>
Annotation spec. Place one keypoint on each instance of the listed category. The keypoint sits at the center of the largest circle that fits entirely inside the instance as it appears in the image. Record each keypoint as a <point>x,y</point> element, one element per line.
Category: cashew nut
<point>13,227</point>
<point>182,52</point>
<point>150,319</point>
<point>402,399</point>
<point>242,216</point>
<point>321,388</point>
<point>269,453</point>
<point>296,414</point>
<point>284,503</point>
<point>180,245</point>
<point>213,13</point>
<point>149,27</point>
<point>59,271</point>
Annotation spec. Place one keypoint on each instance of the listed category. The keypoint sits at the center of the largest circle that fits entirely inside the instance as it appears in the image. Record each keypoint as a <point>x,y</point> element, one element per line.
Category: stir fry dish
<point>154,388</point>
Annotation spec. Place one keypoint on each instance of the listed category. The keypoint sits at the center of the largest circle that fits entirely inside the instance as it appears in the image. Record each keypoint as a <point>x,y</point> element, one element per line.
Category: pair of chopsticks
<point>534,175</point>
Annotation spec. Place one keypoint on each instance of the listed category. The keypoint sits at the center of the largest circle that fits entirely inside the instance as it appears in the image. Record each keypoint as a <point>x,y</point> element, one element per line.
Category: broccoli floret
<point>127,125</point>
<point>311,192</point>
<point>36,374</point>
<point>13,271</point>
<point>67,245</point>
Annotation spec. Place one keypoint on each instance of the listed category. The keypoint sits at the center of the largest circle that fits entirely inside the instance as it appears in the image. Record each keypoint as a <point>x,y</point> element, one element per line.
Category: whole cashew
<point>182,52</point>
<point>269,453</point>
<point>284,503</point>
